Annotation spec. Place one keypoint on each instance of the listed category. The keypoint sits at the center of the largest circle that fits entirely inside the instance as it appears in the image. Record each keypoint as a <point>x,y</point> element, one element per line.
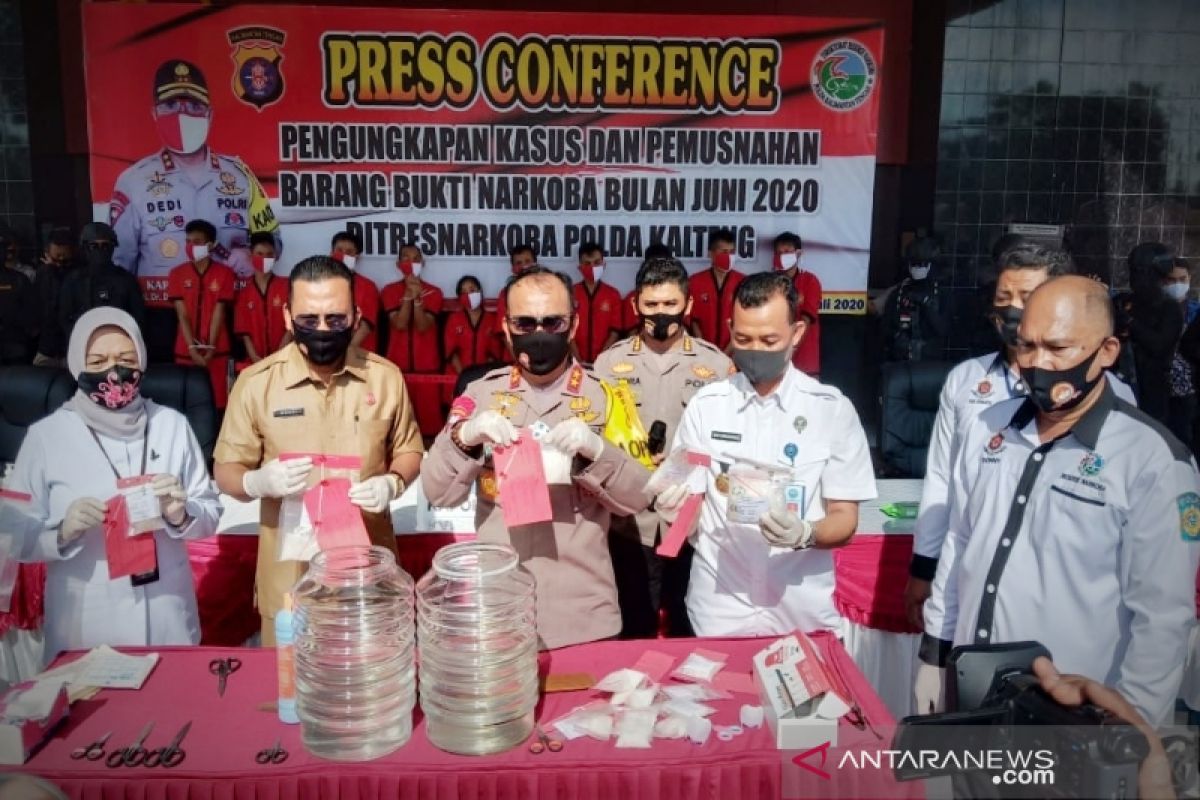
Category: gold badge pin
<point>723,483</point>
<point>702,372</point>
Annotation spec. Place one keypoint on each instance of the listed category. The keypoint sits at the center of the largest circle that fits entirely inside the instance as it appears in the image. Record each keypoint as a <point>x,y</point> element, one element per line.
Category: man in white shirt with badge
<point>1074,521</point>
<point>763,563</point>
<point>971,387</point>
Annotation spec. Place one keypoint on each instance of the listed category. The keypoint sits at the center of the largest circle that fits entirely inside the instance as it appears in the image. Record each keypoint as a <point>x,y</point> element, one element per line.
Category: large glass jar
<point>477,636</point>
<point>355,681</point>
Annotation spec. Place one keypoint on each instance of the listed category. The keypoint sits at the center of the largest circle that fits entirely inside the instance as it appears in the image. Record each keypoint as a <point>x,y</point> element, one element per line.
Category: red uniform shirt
<point>599,314</point>
<point>712,308</point>
<point>629,317</point>
<point>473,344</point>
<point>259,315</point>
<point>201,295</point>
<point>807,357</point>
<point>413,350</point>
<point>501,311</point>
<point>366,297</point>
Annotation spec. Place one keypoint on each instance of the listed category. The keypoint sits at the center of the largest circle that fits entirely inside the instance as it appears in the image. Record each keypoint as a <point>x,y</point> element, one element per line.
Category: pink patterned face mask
<point>112,388</point>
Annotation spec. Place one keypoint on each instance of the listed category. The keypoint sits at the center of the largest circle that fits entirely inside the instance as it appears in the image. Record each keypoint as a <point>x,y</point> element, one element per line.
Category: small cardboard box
<point>797,693</point>
<point>21,738</point>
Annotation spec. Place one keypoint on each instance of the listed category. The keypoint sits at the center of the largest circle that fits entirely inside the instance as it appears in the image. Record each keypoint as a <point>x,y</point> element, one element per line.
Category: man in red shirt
<point>713,289</point>
<point>789,249</point>
<point>258,310</point>
<point>597,304</point>
<point>202,292</point>
<point>412,306</point>
<point>346,247</point>
<point>521,258</point>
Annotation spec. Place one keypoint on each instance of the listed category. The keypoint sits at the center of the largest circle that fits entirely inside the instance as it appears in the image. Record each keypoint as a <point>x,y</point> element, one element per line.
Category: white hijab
<point>118,423</point>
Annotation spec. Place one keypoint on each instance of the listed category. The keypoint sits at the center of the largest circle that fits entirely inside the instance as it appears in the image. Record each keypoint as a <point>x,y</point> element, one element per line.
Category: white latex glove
<point>277,478</point>
<point>668,502</point>
<point>929,690</point>
<point>375,494</point>
<point>489,427</point>
<point>82,515</point>
<point>785,529</point>
<point>171,498</point>
<point>575,438</point>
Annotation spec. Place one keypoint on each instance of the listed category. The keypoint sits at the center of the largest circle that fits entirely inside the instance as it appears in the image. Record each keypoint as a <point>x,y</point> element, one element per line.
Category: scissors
<point>223,668</point>
<point>272,755</point>
<point>544,743</point>
<point>171,755</point>
<point>133,755</point>
<point>94,751</point>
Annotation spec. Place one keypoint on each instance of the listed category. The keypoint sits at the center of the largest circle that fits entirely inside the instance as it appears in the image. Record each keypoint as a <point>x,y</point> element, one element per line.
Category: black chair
<point>28,394</point>
<point>910,392</point>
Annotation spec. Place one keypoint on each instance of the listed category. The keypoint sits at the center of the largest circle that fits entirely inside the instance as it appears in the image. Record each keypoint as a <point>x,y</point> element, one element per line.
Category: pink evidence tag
<point>655,665</point>
<point>337,521</point>
<point>678,532</point>
<point>125,554</point>
<point>524,494</point>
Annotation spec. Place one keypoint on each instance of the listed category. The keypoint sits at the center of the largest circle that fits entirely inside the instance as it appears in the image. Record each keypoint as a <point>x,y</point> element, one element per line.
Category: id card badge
<point>145,512</point>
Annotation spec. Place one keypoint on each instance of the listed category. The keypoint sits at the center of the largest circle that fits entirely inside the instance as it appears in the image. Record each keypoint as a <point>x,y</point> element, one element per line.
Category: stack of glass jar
<point>355,682</point>
<point>477,635</point>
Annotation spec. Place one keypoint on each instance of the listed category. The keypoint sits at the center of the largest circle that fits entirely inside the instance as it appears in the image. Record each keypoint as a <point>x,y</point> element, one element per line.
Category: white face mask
<point>194,131</point>
<point>1177,291</point>
<point>349,261</point>
<point>198,252</point>
<point>597,273</point>
<point>788,260</point>
<point>919,273</point>
<point>474,299</point>
<point>268,264</point>
<point>416,269</point>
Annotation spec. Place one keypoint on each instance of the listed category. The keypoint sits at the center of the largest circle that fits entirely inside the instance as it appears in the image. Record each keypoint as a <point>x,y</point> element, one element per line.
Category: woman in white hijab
<point>70,463</point>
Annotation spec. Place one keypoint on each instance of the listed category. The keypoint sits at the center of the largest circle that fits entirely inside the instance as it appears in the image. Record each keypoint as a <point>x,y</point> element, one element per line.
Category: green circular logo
<point>843,74</point>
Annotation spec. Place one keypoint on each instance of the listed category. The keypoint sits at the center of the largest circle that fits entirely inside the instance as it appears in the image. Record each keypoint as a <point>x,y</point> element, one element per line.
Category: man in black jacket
<point>1150,322</point>
<point>57,262</point>
<point>99,282</point>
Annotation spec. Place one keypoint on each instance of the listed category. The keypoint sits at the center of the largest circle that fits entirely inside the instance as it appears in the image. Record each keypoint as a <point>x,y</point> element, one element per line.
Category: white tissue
<point>623,681</point>
<point>751,716</point>
<point>697,692</point>
<point>699,729</point>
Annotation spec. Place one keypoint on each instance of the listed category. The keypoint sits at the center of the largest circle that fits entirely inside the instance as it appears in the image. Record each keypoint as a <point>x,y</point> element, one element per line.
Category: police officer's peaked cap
<point>97,230</point>
<point>177,78</point>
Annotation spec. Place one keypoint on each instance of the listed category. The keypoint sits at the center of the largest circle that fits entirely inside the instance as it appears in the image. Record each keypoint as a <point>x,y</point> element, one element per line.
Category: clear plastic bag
<point>297,537</point>
<point>14,515</point>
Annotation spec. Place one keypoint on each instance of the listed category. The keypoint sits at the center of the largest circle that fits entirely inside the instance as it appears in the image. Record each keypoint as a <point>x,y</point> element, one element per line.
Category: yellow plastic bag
<point>623,427</point>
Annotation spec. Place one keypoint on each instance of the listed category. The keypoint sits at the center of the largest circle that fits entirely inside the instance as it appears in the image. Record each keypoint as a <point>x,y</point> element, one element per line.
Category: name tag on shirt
<point>726,436</point>
<point>288,412</point>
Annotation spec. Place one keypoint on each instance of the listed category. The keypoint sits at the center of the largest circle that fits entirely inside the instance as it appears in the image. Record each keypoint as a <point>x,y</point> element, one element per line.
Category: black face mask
<point>761,366</point>
<point>324,347</point>
<point>1060,389</point>
<point>662,324</point>
<point>546,351</point>
<point>98,255</point>
<point>112,388</point>
<point>1008,319</point>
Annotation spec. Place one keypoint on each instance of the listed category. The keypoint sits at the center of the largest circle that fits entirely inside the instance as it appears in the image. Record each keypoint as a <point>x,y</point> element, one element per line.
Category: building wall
<point>16,186</point>
<point>1083,113</point>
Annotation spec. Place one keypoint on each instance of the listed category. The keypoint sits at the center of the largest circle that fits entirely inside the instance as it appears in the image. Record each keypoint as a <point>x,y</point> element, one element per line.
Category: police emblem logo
<point>160,222</point>
<point>229,184</point>
<point>117,206</point>
<point>1091,464</point>
<point>178,221</point>
<point>1189,516</point>
<point>158,185</point>
<point>996,443</point>
<point>235,220</point>
<point>703,373</point>
<point>581,407</point>
<point>622,368</point>
<point>1062,392</point>
<point>257,74</point>
<point>984,388</point>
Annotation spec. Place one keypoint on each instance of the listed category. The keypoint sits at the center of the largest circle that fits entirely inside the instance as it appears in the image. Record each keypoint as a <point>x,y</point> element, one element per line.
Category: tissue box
<point>21,738</point>
<point>798,700</point>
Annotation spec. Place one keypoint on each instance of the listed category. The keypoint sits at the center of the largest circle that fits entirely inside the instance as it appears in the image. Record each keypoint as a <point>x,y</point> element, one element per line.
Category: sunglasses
<point>310,322</point>
<point>193,108</point>
<point>557,323</point>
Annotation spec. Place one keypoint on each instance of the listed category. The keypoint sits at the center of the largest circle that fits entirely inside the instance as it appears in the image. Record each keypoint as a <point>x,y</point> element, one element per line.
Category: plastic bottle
<point>285,661</point>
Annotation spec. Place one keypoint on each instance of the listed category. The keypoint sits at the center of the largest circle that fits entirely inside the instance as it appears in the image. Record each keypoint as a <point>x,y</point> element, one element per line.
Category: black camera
<point>1001,728</point>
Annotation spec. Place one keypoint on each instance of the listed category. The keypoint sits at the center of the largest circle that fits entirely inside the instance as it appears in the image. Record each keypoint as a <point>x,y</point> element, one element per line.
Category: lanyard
<point>111,465</point>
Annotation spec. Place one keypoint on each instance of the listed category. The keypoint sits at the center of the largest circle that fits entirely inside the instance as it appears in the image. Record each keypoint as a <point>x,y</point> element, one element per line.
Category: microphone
<point>656,440</point>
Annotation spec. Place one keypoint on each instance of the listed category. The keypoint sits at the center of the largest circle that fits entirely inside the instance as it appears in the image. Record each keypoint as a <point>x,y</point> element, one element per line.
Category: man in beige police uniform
<point>576,592</point>
<point>316,395</point>
<point>663,367</point>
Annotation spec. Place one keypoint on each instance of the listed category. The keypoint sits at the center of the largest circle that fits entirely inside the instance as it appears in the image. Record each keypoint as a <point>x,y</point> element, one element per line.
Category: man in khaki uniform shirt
<point>316,395</point>
<point>663,367</point>
<point>576,593</point>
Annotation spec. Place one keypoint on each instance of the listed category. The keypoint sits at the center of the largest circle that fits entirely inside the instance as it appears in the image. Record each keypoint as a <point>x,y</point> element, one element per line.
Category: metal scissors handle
<point>223,668</point>
<point>544,743</point>
<point>170,756</point>
<point>94,751</point>
<point>133,755</point>
<point>272,755</point>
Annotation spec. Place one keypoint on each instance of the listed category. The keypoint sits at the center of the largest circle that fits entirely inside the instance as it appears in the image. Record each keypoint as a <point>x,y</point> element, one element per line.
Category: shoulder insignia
<point>575,382</point>
<point>702,372</point>
<point>622,368</point>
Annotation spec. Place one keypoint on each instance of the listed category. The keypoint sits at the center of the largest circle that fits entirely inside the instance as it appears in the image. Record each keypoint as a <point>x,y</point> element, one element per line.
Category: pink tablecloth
<point>871,572</point>
<point>227,732</point>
